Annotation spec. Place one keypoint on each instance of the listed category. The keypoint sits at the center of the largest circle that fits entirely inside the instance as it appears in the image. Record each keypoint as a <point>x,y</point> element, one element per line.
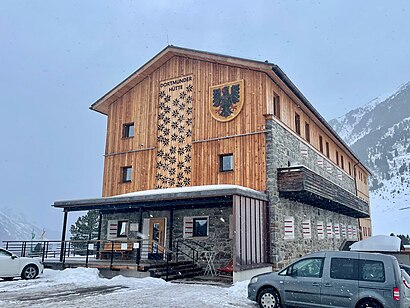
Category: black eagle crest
<point>225,102</point>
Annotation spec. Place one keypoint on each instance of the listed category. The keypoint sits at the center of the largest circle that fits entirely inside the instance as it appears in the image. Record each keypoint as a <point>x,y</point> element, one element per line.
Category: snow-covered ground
<point>83,287</point>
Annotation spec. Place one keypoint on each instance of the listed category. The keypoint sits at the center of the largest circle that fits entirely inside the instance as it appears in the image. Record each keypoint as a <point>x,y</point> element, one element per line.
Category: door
<point>340,284</point>
<point>303,283</point>
<point>156,238</point>
<point>8,266</point>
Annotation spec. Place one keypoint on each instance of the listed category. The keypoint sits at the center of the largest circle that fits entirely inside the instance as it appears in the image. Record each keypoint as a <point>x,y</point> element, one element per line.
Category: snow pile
<point>83,287</point>
<point>80,276</point>
<point>187,189</point>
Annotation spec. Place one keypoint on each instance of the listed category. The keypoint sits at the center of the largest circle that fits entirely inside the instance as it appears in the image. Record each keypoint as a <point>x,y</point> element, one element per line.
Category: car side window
<point>344,268</point>
<point>371,270</point>
<point>312,267</point>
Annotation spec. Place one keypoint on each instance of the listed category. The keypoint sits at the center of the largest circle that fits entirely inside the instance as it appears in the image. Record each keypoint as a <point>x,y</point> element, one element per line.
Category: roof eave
<point>281,74</point>
<point>101,105</point>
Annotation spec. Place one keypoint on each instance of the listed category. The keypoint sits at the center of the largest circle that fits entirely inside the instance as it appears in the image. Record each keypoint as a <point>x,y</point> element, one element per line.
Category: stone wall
<point>218,239</point>
<point>283,150</point>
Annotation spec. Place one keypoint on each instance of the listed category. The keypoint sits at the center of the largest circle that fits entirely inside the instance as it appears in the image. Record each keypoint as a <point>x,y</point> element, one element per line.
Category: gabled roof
<point>272,70</point>
<point>163,56</point>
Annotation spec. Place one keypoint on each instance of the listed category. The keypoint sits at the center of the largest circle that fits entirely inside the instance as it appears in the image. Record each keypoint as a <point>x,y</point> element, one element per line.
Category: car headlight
<point>254,280</point>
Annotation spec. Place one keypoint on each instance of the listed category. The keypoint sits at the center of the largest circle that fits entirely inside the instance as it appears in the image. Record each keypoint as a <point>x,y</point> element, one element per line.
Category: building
<point>225,152</point>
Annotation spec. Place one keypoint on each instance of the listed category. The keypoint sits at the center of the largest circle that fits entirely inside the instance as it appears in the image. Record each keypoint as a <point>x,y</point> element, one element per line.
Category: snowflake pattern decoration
<point>174,133</point>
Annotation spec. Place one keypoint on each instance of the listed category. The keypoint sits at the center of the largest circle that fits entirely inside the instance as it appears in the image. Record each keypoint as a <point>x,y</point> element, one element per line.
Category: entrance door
<point>156,238</point>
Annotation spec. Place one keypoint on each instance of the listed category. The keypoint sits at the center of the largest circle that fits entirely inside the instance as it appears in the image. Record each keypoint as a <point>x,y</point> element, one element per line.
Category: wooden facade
<point>137,100</point>
<point>191,119</point>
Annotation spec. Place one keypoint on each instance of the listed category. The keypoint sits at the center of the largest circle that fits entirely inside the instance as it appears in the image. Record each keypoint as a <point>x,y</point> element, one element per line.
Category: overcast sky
<point>58,57</point>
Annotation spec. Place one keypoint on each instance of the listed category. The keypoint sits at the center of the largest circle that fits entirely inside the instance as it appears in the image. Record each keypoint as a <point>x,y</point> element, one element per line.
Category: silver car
<point>13,266</point>
<point>334,279</point>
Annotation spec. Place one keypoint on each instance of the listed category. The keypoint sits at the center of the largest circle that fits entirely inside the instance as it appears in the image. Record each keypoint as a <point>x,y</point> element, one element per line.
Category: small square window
<point>200,227</point>
<point>128,130</point>
<point>126,174</point>
<point>226,162</point>
<point>122,228</point>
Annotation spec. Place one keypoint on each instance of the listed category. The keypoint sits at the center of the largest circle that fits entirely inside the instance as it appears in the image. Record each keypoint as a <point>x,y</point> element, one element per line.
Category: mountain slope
<point>15,226</point>
<point>379,133</point>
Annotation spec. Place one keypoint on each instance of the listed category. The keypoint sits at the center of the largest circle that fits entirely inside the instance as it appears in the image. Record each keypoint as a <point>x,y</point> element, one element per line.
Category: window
<point>350,169</point>
<point>122,228</point>
<point>226,162</point>
<point>320,144</point>
<point>344,268</point>
<point>307,132</point>
<point>297,123</point>
<point>312,267</point>
<point>337,158</point>
<point>371,270</point>
<point>276,106</point>
<point>128,130</point>
<point>126,174</point>
<point>327,150</point>
<point>342,162</point>
<point>200,227</point>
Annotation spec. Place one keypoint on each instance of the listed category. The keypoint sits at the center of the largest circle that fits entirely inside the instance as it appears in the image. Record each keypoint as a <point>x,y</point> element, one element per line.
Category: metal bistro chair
<point>209,258</point>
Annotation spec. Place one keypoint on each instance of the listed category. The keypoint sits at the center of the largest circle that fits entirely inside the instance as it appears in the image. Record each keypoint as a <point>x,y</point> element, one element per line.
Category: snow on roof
<point>378,243</point>
<point>185,190</point>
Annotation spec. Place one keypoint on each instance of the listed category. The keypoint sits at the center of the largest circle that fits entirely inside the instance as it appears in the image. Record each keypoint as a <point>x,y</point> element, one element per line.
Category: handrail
<point>190,244</point>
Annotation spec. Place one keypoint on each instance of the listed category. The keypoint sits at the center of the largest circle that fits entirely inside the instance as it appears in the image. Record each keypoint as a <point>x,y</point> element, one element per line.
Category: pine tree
<point>85,228</point>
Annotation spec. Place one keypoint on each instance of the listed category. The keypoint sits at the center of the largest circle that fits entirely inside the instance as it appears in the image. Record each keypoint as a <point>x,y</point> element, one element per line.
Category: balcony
<point>303,185</point>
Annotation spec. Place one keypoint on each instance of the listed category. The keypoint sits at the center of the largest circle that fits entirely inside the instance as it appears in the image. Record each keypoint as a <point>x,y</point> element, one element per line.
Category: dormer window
<point>128,130</point>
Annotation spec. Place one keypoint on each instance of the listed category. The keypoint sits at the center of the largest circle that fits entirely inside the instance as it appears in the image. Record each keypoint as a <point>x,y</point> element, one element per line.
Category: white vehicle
<point>406,282</point>
<point>13,266</point>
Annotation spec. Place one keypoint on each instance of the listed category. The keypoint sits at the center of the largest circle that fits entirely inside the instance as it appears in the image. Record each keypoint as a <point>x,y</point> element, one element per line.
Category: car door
<point>341,283</point>
<point>302,284</point>
<point>9,266</point>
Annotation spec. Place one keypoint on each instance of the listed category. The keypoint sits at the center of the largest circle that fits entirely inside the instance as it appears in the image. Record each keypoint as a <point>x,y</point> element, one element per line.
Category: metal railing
<point>82,253</point>
<point>193,247</point>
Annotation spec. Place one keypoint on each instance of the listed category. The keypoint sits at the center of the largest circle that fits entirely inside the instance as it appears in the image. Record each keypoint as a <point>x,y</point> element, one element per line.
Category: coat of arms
<point>226,100</point>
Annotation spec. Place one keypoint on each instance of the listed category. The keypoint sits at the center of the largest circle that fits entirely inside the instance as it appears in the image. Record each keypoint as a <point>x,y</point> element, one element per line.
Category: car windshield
<point>4,253</point>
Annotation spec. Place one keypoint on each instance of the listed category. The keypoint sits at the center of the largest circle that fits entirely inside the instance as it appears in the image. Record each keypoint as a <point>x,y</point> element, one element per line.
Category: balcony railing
<point>303,185</point>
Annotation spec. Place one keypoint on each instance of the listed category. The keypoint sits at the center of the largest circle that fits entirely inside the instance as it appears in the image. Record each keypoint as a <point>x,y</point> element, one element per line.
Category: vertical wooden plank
<point>248,232</point>
<point>258,235</point>
<point>253,230</point>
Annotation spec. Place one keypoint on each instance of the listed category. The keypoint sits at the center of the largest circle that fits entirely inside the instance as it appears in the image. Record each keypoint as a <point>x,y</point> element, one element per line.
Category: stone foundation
<point>283,150</point>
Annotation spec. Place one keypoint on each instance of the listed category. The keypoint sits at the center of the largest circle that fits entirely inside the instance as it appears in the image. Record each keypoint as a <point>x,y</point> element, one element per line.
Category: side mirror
<point>14,257</point>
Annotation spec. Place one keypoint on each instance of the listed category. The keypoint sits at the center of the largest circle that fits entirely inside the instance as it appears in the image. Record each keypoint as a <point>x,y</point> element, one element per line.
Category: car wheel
<point>368,303</point>
<point>29,272</point>
<point>269,298</point>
